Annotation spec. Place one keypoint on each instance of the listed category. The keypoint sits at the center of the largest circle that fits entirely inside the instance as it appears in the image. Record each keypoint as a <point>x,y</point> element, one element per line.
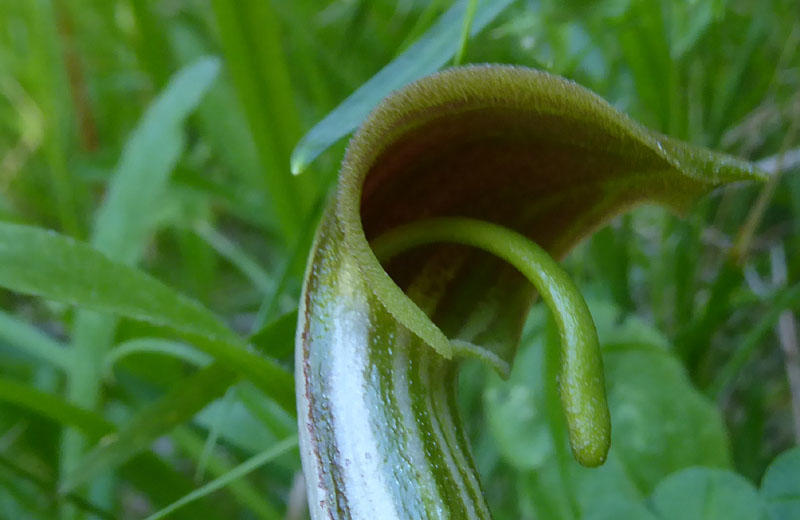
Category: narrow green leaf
<point>47,487</point>
<point>610,252</point>
<point>248,494</point>
<point>787,298</point>
<point>177,406</point>
<point>181,403</point>
<point>644,43</point>
<point>49,79</point>
<point>275,419</point>
<point>219,417</point>
<point>152,46</point>
<point>469,17</point>
<point>294,261</point>
<point>20,335</point>
<point>161,482</point>
<point>431,52</point>
<point>38,262</point>
<point>54,408</point>
<point>239,471</point>
<point>125,220</point>
<point>250,37</point>
<point>155,346</point>
<point>239,258</point>
<point>221,119</point>
<point>43,263</point>
<point>276,339</point>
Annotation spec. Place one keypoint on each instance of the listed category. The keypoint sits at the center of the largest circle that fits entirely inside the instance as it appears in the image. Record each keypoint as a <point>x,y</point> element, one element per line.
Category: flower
<point>378,346</point>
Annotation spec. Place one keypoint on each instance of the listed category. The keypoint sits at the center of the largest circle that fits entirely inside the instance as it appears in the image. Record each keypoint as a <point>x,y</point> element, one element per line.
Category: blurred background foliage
<point>102,417</point>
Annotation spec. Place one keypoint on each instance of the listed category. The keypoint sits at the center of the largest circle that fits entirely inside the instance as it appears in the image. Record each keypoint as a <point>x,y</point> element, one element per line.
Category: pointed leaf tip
<point>298,162</point>
<point>431,52</point>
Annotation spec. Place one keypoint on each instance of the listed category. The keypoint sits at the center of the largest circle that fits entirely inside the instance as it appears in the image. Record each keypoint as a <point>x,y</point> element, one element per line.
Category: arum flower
<point>454,197</point>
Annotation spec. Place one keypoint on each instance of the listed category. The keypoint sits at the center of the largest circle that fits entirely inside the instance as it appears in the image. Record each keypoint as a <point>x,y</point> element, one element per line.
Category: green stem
<point>581,374</point>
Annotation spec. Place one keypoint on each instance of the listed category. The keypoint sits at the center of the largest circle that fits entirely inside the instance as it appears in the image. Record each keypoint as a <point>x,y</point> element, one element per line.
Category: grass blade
<point>469,16</point>
<point>179,404</point>
<point>245,492</point>
<point>54,408</point>
<point>125,220</point>
<point>50,77</point>
<point>34,342</point>
<point>239,471</point>
<point>46,485</point>
<point>276,339</point>
<point>123,223</point>
<point>431,52</point>
<point>788,298</point>
<point>249,34</point>
<point>236,256</point>
<point>155,346</point>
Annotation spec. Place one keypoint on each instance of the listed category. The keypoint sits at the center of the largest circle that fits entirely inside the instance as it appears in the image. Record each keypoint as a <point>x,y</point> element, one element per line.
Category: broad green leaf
<point>618,510</point>
<point>54,408</point>
<point>380,344</point>
<point>516,416</point>
<point>707,494</point>
<point>38,262</point>
<point>780,487</point>
<point>661,423</point>
<point>426,56</point>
